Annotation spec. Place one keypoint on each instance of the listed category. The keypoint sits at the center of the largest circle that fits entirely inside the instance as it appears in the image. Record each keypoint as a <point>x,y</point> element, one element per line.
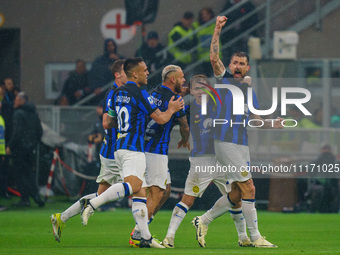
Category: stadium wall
<point>63,31</point>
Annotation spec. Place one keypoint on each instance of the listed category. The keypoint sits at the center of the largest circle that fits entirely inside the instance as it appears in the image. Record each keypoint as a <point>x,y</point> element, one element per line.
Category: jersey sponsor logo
<point>204,131</point>
<point>150,101</point>
<point>157,101</point>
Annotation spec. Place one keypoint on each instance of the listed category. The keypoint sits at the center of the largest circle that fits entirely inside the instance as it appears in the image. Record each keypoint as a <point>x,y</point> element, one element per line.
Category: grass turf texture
<point>29,231</point>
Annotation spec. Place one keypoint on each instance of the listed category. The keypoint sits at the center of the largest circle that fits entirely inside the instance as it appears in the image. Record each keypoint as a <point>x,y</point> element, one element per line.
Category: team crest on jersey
<point>195,189</point>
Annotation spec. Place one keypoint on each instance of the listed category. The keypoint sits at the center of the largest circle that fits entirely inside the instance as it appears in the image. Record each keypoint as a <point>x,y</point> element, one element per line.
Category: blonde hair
<point>167,70</point>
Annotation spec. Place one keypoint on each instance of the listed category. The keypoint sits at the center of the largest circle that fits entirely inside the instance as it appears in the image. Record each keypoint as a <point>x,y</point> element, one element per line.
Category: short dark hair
<point>80,60</point>
<point>188,15</point>
<point>117,66</point>
<point>130,64</point>
<point>240,54</point>
<point>152,35</point>
<point>5,78</point>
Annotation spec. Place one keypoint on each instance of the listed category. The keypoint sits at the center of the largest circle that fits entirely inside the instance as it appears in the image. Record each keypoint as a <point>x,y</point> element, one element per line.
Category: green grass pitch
<point>29,232</point>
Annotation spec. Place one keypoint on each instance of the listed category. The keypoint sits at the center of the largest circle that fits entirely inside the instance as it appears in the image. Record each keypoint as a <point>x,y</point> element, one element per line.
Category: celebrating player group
<point>134,152</point>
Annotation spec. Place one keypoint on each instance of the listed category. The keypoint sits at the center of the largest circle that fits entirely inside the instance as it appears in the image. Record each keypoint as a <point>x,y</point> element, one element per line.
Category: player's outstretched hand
<point>278,123</point>
<point>220,21</point>
<point>183,144</point>
<point>176,105</point>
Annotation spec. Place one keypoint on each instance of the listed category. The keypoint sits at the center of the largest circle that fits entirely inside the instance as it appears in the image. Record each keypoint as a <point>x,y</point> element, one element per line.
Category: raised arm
<point>163,117</point>
<point>215,60</point>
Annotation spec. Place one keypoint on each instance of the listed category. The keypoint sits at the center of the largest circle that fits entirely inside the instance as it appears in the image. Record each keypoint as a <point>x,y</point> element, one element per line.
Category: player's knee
<point>248,189</point>
<point>155,193</point>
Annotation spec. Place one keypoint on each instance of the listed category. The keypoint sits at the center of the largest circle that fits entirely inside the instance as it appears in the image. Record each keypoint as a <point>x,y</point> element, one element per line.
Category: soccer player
<point>202,156</point>
<point>129,106</point>
<point>231,144</point>
<point>157,140</point>
<point>109,173</point>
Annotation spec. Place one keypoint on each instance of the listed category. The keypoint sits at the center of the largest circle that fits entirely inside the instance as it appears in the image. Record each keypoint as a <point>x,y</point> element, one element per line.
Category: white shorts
<point>168,178</point>
<point>131,163</point>
<point>109,171</point>
<point>235,158</point>
<point>157,171</point>
<point>199,178</point>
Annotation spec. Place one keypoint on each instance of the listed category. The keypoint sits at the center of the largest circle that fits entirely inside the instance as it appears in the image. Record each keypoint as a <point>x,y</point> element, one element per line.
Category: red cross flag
<point>113,26</point>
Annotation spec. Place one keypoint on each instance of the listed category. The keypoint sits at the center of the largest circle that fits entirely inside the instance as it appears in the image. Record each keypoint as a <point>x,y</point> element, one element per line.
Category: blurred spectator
<point>76,86</point>
<point>100,73</point>
<point>7,108</point>
<point>27,132</point>
<point>204,38</point>
<point>317,118</point>
<point>148,51</point>
<point>335,119</point>
<point>180,30</point>
<point>324,193</point>
<point>239,27</point>
<point>3,157</point>
<point>303,121</point>
<point>313,75</point>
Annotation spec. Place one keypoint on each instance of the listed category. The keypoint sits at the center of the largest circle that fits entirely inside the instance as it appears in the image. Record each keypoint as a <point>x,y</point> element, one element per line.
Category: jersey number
<point>123,125</point>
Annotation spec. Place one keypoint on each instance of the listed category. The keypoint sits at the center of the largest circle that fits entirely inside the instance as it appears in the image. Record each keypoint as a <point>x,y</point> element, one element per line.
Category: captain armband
<point>112,113</point>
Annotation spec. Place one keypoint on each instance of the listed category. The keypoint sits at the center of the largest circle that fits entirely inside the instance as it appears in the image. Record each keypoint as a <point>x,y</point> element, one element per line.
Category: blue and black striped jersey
<point>107,148</point>
<point>157,137</point>
<point>201,129</point>
<point>237,133</point>
<point>132,106</point>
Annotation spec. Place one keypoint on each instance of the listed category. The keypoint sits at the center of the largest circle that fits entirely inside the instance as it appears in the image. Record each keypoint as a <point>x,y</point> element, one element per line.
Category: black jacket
<point>27,130</point>
<point>73,83</point>
<point>100,73</point>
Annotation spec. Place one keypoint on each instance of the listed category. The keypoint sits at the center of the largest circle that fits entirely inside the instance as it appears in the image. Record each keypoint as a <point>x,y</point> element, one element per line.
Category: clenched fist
<point>220,21</point>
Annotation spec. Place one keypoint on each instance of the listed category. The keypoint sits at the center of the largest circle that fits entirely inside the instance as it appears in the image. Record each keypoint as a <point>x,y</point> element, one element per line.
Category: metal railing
<point>269,15</point>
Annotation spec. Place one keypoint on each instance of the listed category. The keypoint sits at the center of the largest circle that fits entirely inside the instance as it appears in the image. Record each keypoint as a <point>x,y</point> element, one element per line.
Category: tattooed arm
<point>215,47</point>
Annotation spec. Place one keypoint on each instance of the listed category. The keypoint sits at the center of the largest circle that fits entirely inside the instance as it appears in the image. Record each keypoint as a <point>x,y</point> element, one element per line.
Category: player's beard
<point>178,87</point>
